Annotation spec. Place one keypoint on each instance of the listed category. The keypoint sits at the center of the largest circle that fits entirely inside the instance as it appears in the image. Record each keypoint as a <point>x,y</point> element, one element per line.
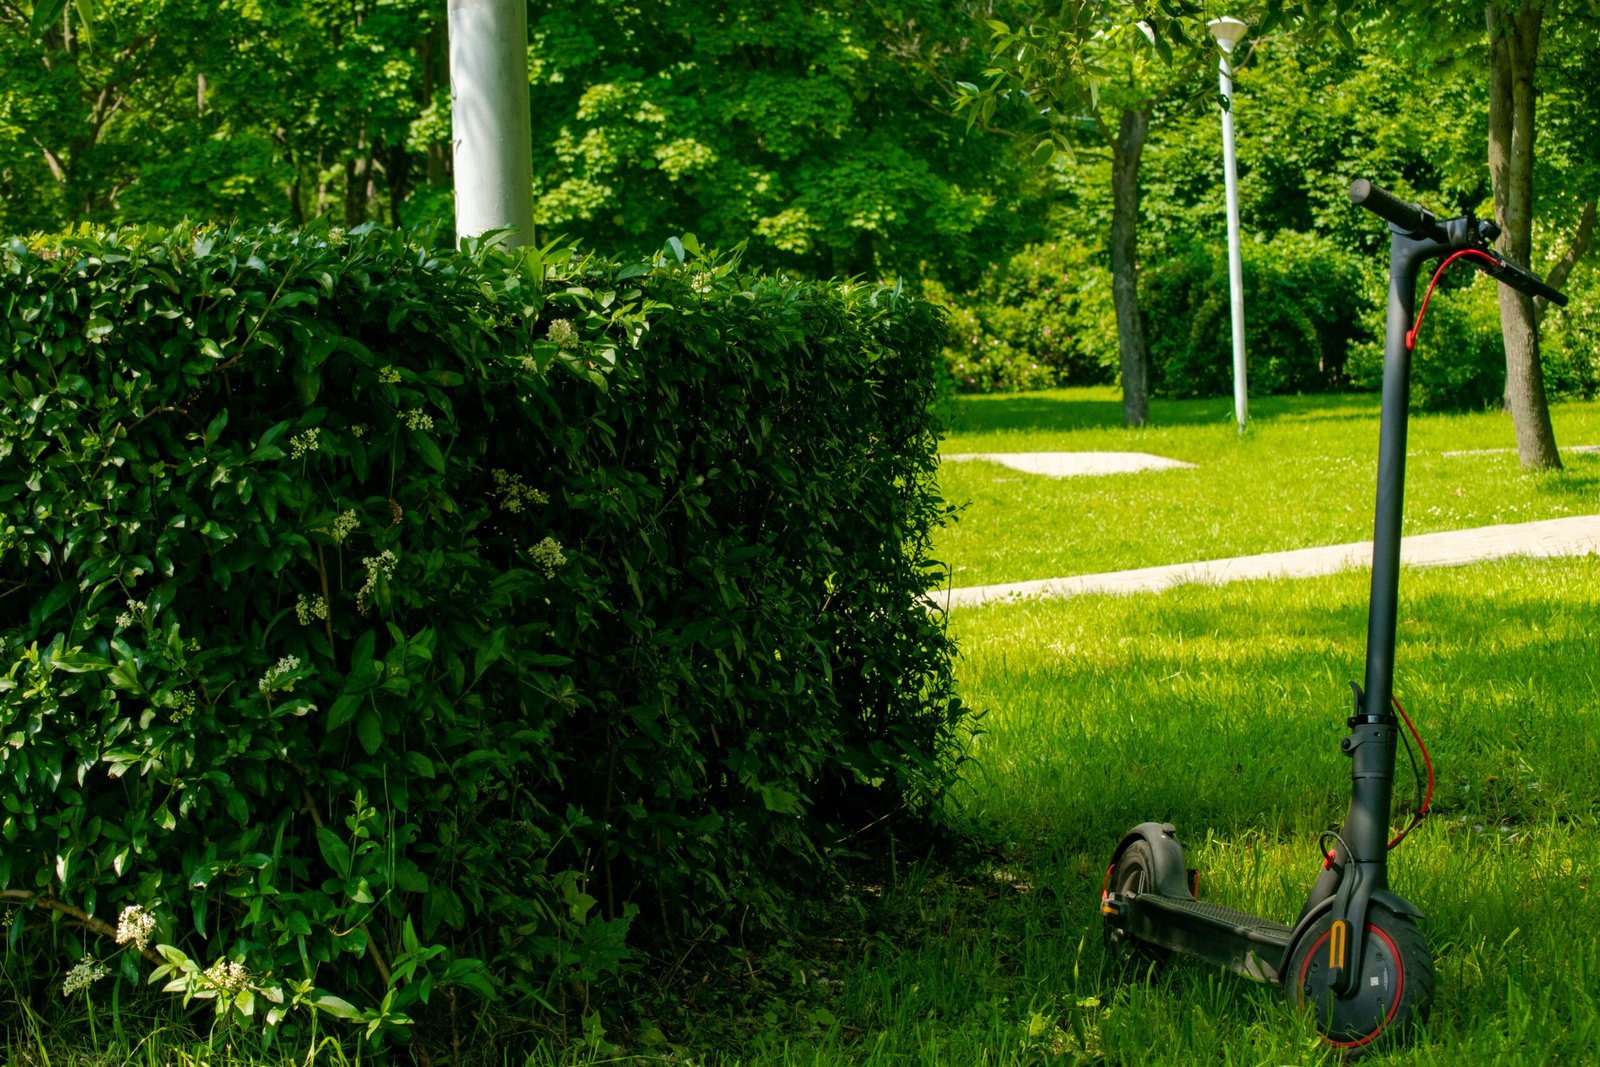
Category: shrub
<point>1302,299</point>
<point>1460,358</point>
<point>1041,319</point>
<point>1570,339</point>
<point>391,620</point>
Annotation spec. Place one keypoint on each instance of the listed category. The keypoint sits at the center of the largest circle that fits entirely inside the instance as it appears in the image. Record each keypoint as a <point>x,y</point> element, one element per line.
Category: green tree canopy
<point>814,130</point>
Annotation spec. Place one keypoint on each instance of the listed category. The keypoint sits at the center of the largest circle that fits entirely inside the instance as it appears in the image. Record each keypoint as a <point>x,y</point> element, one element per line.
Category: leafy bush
<point>1041,319</point>
<point>1569,339</point>
<point>1460,358</point>
<point>393,621</point>
<point>1302,308</point>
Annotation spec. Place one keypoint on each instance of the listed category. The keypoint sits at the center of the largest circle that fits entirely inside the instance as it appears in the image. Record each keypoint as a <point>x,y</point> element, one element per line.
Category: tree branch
<point>1563,267</point>
<point>84,919</point>
<point>53,161</point>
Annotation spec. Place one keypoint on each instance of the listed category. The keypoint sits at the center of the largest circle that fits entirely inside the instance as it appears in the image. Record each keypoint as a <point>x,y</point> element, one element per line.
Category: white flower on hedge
<point>379,566</point>
<point>548,556</point>
<point>272,681</point>
<point>184,708</point>
<point>417,419</point>
<point>303,443</point>
<point>359,430</point>
<point>135,925</point>
<point>309,609</point>
<point>388,375</point>
<point>85,973</point>
<point>563,333</point>
<point>135,613</point>
<point>515,494</point>
<point>344,525</point>
<point>228,976</point>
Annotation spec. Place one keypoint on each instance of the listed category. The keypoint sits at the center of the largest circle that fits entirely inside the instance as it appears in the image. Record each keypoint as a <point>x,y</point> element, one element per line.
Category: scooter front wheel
<point>1393,990</point>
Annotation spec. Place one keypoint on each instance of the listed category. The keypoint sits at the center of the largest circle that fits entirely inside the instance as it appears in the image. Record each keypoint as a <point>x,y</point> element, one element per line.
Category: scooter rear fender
<point>1171,876</point>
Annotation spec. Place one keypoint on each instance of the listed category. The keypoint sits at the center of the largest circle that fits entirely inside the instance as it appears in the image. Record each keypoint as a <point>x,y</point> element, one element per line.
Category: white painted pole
<point>1228,32</point>
<point>489,120</point>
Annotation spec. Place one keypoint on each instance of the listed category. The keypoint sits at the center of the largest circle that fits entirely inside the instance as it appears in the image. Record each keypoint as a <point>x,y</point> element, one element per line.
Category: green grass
<point>1303,475</point>
<point>1220,709</point>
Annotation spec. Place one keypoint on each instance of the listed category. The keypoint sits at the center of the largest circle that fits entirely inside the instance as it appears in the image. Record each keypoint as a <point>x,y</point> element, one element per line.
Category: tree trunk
<point>1126,149</point>
<point>430,55</point>
<point>1513,51</point>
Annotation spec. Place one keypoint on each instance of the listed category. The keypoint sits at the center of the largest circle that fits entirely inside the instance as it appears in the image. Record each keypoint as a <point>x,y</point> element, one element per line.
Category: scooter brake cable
<point>1427,762</point>
<point>1411,334</point>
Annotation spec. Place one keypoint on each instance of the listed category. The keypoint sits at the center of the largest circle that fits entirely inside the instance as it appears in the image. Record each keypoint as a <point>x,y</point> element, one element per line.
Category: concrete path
<point>1575,536</point>
<point>1071,464</point>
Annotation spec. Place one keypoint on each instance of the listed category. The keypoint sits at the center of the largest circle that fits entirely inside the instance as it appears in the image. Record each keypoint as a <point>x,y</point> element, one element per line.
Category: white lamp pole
<point>1228,33</point>
<point>489,119</point>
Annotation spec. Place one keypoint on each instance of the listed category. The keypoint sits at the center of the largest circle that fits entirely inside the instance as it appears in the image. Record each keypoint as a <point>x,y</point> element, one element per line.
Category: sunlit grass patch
<point>1304,475</point>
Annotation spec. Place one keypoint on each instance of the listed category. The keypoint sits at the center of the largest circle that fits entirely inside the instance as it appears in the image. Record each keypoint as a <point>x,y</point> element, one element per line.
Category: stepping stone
<point>1071,464</point>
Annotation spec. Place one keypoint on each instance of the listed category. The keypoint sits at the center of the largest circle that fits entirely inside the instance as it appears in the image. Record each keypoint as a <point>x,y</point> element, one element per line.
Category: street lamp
<point>1228,33</point>
<point>489,119</point>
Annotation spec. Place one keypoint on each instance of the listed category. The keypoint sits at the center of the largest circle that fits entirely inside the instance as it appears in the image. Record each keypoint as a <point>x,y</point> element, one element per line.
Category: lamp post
<point>489,119</point>
<point>1229,32</point>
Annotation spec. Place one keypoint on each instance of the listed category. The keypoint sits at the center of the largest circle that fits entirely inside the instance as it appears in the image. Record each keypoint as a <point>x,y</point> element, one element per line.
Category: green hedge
<point>1460,359</point>
<point>389,620</point>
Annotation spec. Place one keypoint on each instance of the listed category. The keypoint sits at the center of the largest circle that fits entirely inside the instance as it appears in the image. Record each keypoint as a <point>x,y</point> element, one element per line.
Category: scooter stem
<point>1406,256</point>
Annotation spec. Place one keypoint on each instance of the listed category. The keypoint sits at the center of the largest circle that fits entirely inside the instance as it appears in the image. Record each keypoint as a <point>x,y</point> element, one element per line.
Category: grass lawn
<point>1303,475</point>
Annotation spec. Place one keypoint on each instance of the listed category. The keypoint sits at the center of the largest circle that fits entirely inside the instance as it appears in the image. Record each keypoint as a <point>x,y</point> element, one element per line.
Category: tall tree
<point>218,109</point>
<point>1105,71</point>
<point>1514,31</point>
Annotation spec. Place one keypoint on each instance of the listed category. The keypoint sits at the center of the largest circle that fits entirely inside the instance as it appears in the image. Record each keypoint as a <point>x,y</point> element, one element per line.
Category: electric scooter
<point>1355,954</point>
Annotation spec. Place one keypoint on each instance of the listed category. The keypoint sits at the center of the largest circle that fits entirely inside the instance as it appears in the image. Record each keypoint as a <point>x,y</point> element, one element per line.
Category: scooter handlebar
<point>1409,217</point>
<point>1415,219</point>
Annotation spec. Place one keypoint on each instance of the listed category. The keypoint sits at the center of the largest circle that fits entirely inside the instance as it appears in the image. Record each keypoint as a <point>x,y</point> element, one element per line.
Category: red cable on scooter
<point>1427,763</point>
<point>1411,334</point>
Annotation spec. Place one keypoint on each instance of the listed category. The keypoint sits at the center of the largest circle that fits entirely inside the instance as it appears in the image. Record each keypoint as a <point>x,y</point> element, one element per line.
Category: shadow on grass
<point>1578,481</point>
<point>1067,411</point>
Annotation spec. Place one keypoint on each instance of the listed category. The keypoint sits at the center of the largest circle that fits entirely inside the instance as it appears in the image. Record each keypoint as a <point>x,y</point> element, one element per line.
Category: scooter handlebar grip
<point>1386,205</point>
<point>1526,281</point>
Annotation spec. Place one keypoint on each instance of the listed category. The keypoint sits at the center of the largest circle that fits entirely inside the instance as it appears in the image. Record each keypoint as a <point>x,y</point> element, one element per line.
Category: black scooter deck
<point>1252,946</point>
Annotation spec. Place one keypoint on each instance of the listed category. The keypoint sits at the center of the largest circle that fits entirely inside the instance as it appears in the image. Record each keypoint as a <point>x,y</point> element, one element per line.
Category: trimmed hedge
<point>389,620</point>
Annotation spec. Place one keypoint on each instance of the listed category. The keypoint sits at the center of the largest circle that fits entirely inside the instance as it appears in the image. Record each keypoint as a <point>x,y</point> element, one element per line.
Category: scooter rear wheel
<point>1135,872</point>
<point>1394,986</point>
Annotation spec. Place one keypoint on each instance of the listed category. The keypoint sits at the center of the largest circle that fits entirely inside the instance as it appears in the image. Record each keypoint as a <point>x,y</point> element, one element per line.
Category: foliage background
<point>819,135</point>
